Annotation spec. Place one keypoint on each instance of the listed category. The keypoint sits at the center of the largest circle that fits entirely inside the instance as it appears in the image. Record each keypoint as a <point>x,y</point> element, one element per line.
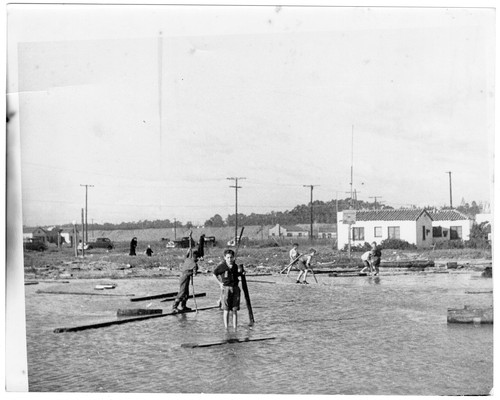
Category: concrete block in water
<point>470,315</point>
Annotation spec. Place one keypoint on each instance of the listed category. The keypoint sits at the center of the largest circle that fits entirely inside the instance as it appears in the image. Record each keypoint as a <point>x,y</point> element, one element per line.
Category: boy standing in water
<point>189,269</point>
<point>375,256</point>
<point>366,261</point>
<point>304,264</point>
<point>226,274</point>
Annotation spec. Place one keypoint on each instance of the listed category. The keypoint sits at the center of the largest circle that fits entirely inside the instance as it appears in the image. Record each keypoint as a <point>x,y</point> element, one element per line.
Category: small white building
<point>291,231</point>
<point>452,224</point>
<point>412,225</point>
<point>480,218</point>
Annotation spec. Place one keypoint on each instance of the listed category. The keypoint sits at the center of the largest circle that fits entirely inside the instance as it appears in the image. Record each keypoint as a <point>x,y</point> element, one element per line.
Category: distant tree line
<point>323,212</point>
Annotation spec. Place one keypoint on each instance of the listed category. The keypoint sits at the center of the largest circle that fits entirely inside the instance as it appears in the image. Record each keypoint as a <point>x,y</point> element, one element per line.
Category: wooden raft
<point>470,315</point>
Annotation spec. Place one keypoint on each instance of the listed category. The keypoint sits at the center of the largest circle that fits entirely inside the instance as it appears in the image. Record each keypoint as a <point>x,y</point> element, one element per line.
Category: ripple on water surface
<point>341,336</point>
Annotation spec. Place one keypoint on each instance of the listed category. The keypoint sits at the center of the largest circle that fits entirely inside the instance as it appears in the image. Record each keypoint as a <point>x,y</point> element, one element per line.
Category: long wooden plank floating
<point>138,311</point>
<point>125,321</point>
<point>347,274</point>
<point>228,341</point>
<point>82,293</point>
<point>190,297</point>
<point>154,296</point>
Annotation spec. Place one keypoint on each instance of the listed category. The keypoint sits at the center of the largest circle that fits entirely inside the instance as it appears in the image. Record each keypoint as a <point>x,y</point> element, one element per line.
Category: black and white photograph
<point>214,199</point>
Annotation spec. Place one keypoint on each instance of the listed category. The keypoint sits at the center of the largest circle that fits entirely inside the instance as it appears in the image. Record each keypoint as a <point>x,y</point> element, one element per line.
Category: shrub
<point>397,244</point>
<point>361,248</point>
<point>449,244</point>
<point>476,243</point>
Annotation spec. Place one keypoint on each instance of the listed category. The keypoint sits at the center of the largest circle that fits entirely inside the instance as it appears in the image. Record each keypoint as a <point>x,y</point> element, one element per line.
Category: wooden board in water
<point>190,297</point>
<point>127,312</point>
<point>154,296</point>
<point>125,321</point>
<point>227,341</point>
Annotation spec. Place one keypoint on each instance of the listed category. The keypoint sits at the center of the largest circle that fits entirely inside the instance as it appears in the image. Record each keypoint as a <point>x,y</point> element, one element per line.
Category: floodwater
<point>352,335</point>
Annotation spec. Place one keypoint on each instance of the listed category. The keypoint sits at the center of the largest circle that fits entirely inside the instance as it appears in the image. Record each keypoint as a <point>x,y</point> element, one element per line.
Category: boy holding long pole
<point>227,275</point>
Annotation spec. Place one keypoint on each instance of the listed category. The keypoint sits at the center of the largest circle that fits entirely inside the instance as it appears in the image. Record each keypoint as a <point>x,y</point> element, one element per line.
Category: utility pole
<point>83,243</point>
<point>451,202</point>
<point>175,229</point>
<point>312,218</point>
<point>86,227</point>
<point>375,197</point>
<point>236,187</point>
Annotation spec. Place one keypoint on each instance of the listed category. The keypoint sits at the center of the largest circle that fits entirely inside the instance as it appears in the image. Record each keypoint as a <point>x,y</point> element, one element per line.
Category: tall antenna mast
<point>352,159</point>
<point>160,85</point>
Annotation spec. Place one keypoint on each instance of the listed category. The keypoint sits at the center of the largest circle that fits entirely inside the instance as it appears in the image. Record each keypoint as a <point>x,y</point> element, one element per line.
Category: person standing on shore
<point>375,256</point>
<point>149,251</point>
<point>304,264</point>
<point>226,274</point>
<point>133,245</point>
<point>188,270</point>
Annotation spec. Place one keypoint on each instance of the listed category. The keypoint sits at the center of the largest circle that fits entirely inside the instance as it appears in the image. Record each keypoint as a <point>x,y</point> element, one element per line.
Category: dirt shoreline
<point>105,265</point>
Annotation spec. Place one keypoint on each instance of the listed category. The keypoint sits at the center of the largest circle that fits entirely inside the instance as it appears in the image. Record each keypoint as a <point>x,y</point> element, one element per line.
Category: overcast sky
<point>156,106</point>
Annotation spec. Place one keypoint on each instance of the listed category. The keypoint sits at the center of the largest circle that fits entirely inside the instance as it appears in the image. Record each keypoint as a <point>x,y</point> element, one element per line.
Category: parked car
<point>101,243</point>
<point>183,243</point>
<point>210,241</point>
<point>34,244</point>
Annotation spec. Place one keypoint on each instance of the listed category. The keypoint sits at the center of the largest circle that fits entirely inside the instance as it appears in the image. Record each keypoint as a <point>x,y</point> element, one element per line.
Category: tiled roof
<point>448,215</point>
<point>389,215</point>
<point>295,228</point>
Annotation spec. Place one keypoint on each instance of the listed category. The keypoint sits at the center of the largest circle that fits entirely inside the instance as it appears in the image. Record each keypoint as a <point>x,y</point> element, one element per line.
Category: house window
<point>423,232</point>
<point>437,231</point>
<point>329,235</point>
<point>393,232</point>
<point>377,231</point>
<point>358,233</point>
<point>455,232</point>
<point>288,234</point>
<point>299,234</point>
<point>273,234</point>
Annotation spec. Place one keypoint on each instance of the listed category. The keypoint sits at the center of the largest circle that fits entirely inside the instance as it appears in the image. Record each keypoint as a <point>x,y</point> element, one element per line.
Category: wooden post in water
<point>244,286</point>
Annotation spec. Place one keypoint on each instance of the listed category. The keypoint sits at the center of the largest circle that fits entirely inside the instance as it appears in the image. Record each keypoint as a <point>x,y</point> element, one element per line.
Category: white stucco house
<point>450,225</point>
<point>411,225</point>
